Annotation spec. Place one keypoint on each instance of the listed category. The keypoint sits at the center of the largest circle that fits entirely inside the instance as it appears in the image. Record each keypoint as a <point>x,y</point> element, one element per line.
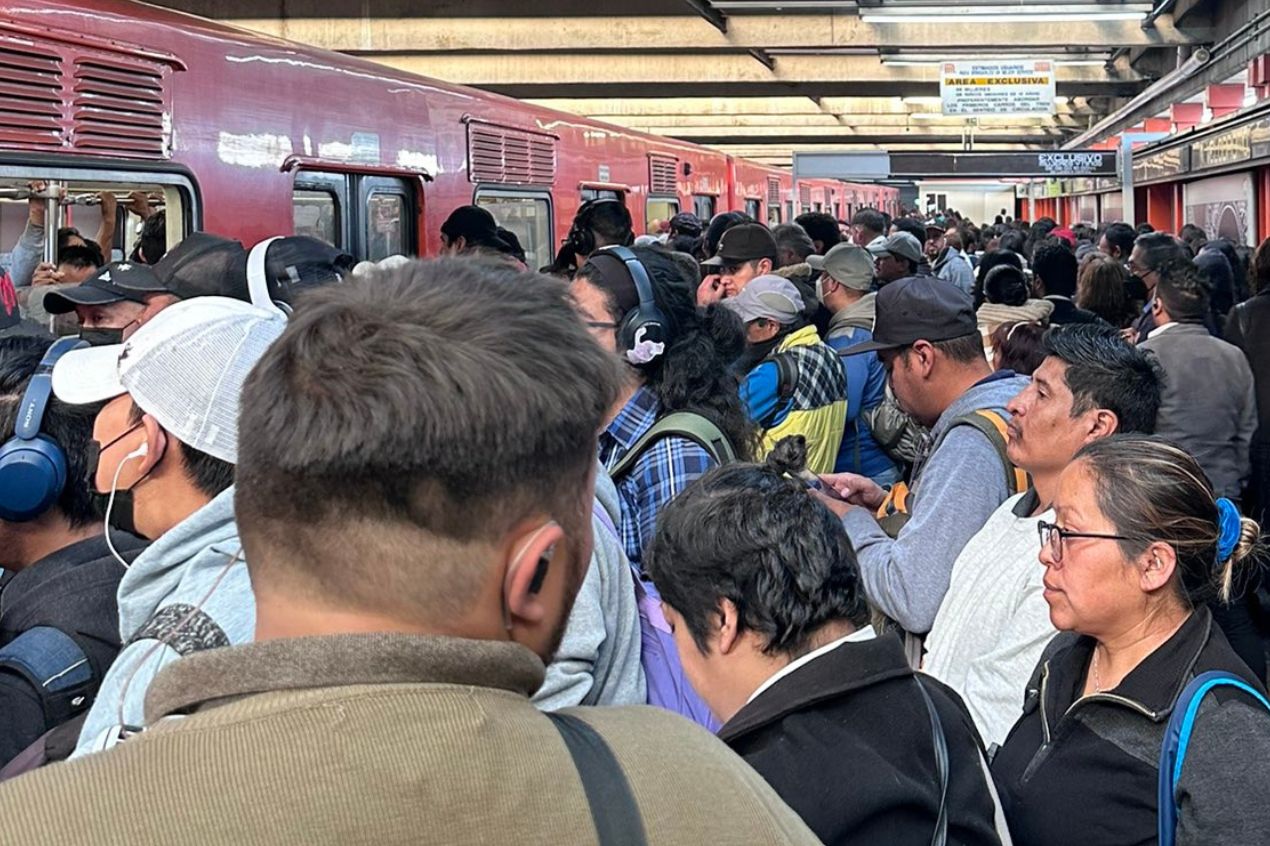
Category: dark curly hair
<point>695,373</point>
<point>752,535</point>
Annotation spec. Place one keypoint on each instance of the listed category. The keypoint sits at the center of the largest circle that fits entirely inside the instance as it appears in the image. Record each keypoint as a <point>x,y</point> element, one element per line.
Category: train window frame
<point>335,185</point>
<point>180,188</point>
<point>534,256</point>
<point>337,211</point>
<point>704,206</point>
<point>672,204</point>
<point>371,185</point>
<point>589,194</point>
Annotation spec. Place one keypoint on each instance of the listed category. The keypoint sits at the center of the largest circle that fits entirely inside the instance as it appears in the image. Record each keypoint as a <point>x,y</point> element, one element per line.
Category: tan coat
<point>381,739</point>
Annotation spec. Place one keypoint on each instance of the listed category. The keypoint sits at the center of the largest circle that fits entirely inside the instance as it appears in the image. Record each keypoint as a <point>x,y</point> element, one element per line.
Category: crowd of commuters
<point>907,530</point>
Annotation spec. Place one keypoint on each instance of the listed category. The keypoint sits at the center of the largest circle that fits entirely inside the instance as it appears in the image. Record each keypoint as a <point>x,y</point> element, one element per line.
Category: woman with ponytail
<point>686,366</point>
<point>1138,549</point>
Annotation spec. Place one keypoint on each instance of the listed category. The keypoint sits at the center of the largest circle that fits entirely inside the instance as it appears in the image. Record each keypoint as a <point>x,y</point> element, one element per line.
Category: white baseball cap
<point>185,367</point>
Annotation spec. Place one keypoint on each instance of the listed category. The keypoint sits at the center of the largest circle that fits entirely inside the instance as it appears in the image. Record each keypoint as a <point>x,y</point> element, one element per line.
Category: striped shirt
<point>665,469</point>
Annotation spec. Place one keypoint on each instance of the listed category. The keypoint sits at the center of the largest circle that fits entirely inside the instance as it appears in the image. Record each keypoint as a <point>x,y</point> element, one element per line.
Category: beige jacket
<point>381,739</point>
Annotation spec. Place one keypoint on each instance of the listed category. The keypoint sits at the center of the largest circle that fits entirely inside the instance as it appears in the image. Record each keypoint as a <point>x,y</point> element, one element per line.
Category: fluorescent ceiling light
<point>1004,17</point>
<point>920,59</point>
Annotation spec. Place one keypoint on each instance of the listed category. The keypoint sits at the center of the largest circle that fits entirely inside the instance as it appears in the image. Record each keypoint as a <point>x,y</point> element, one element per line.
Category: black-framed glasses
<point>1053,536</point>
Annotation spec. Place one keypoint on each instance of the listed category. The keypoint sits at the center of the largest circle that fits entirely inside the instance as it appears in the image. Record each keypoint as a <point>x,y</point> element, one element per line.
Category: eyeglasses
<point>1053,536</point>
<point>1137,270</point>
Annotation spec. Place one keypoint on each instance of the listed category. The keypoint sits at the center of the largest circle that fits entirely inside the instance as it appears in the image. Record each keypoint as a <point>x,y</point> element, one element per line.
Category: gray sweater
<point>1208,405</point>
<point>598,662</point>
<point>952,495</point>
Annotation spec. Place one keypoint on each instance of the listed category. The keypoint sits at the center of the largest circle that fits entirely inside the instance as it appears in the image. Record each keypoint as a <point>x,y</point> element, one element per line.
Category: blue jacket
<point>866,386</point>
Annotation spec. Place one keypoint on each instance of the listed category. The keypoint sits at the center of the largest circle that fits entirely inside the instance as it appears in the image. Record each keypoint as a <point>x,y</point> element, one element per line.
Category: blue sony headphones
<point>33,465</point>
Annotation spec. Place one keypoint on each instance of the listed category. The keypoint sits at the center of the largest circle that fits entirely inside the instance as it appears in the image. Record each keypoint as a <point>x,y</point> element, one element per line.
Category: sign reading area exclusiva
<point>980,88</point>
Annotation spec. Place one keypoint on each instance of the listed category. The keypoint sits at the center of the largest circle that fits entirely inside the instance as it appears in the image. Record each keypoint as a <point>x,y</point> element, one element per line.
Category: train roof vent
<point>773,191</point>
<point>502,155</point>
<point>30,97</point>
<point>119,107</point>
<point>662,171</point>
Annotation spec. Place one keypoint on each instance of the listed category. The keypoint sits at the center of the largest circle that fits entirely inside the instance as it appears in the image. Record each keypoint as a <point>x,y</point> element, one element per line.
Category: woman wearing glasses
<point>1138,546</point>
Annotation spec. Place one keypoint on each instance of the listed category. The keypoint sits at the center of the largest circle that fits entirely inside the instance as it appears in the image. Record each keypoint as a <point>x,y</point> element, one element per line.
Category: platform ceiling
<point>763,78</point>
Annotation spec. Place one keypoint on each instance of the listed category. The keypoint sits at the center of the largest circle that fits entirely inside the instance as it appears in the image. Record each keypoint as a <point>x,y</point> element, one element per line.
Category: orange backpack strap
<point>992,424</point>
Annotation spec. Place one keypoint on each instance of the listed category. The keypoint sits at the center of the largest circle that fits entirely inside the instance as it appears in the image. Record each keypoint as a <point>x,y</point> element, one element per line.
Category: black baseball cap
<point>201,265</point>
<point>298,262</point>
<point>472,223</point>
<point>113,283</point>
<point>744,242</point>
<point>919,308</point>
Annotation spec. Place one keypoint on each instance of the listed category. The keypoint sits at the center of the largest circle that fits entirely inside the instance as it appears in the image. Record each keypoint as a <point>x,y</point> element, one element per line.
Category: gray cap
<point>919,308</point>
<point>900,244</point>
<point>849,265</point>
<point>771,297</point>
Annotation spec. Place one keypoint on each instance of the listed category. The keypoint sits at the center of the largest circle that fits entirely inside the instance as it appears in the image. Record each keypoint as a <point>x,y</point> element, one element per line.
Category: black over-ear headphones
<point>581,238</point>
<point>643,333</point>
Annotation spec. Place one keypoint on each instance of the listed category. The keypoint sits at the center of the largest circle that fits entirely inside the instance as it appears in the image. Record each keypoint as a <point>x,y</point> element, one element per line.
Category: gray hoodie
<point>598,662</point>
<point>187,592</point>
<point>952,495</point>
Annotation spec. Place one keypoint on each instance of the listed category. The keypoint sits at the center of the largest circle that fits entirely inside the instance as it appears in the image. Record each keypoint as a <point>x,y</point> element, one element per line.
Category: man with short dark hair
<point>746,251</point>
<point>952,264</point>
<point>1150,253</point>
<point>415,511</point>
<point>1209,405</point>
<point>1117,241</point>
<point>1054,272</point>
<point>822,228</point>
<point>771,621</point>
<point>793,244</point>
<point>929,342</point>
<point>868,228</point>
<point>897,257</point>
<point>994,621</point>
<point>168,435</point>
<point>59,628</point>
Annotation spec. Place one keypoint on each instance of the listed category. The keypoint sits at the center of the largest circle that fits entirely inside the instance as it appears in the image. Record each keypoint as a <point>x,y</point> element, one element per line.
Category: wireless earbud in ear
<point>540,573</point>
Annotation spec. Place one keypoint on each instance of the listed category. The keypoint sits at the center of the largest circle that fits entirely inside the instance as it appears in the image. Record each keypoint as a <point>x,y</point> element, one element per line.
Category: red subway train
<point>251,136</point>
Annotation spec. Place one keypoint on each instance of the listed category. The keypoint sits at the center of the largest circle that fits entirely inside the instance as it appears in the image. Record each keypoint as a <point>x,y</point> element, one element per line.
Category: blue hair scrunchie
<point>1229,528</point>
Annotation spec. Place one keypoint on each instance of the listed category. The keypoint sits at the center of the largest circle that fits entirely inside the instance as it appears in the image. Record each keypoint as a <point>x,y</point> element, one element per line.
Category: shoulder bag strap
<point>992,425</point>
<point>613,809</point>
<point>1177,738</point>
<point>686,424</point>
<point>940,836</point>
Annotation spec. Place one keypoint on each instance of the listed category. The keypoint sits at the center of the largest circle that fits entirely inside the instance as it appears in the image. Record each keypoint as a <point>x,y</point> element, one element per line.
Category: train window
<point>316,213</point>
<point>658,209</point>
<point>773,215</point>
<point>703,205</point>
<point>789,210</point>
<point>526,214</point>
<point>389,224</point>
<point>589,194</point>
<point>817,207</point>
<point>754,208</point>
<point>385,225</point>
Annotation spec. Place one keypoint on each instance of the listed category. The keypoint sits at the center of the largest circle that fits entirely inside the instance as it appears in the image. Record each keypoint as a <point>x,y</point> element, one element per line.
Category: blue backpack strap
<point>55,666</point>
<point>1177,738</point>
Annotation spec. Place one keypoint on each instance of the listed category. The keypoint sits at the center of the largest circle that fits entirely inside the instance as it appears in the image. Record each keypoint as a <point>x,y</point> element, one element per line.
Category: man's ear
<point>156,444</point>
<point>528,566</point>
<point>764,266</point>
<point>1102,423</point>
<point>921,357</point>
<point>729,621</point>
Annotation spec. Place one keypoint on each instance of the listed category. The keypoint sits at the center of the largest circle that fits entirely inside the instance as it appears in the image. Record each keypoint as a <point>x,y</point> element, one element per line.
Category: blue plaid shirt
<point>664,470</point>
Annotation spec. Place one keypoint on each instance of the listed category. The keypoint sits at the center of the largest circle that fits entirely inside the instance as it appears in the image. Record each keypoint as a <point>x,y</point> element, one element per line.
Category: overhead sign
<point>1051,163</point>
<point>987,87</point>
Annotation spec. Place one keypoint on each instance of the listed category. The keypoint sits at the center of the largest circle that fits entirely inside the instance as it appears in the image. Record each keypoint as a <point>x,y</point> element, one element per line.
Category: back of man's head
<point>872,220</point>
<point>69,426</point>
<point>1160,248</point>
<point>1056,266</point>
<point>822,228</point>
<point>79,258</point>
<point>404,425</point>
<point>610,221</point>
<point>1120,238</point>
<point>793,244</point>
<point>1184,291</point>
<point>1103,370</point>
<point>911,226</point>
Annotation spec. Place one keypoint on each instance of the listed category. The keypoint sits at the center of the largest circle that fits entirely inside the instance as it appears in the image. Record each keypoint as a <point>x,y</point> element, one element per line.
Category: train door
<point>704,206</point>
<point>368,216</point>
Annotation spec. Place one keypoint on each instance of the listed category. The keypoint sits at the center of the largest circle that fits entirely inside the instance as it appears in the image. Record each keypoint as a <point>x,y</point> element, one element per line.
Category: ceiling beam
<point>694,107</point>
<point>704,122</point>
<point>743,32</point>
<point>627,74</point>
